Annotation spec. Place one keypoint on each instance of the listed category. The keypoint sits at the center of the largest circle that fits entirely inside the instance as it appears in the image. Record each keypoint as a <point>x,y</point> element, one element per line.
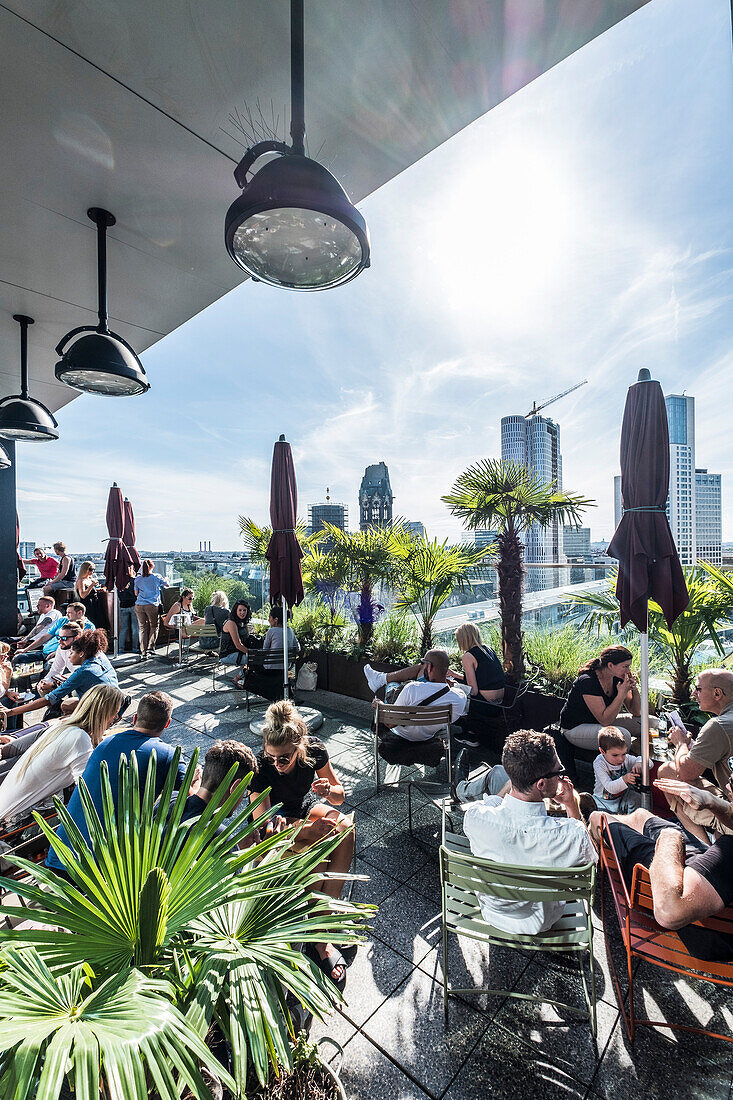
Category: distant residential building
<point>327,511</point>
<point>681,498</point>
<point>708,517</point>
<point>375,497</point>
<point>534,442</point>
<point>415,528</point>
<point>618,501</point>
<point>576,543</point>
<point>25,549</point>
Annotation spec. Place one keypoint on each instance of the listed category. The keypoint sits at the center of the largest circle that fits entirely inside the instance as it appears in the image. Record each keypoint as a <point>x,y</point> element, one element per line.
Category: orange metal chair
<point>644,939</point>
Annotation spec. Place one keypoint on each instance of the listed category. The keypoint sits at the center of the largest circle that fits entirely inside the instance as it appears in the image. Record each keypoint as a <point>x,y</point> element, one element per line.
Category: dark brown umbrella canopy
<point>649,567</point>
<point>283,551</point>
<point>116,557</point>
<point>128,535</point>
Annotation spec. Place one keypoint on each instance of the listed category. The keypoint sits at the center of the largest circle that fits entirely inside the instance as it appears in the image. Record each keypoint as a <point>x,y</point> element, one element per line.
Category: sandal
<point>330,963</point>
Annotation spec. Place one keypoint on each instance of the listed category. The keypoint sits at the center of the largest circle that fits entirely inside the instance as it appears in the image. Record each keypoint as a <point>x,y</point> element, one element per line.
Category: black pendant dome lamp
<point>294,226</point>
<point>100,361</point>
<point>22,417</point>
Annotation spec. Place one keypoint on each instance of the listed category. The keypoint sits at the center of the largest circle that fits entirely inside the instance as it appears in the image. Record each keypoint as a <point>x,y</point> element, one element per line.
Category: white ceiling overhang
<point>126,104</point>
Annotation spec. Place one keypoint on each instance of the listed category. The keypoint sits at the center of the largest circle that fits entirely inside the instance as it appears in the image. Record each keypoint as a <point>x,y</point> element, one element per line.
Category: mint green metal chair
<point>463,876</point>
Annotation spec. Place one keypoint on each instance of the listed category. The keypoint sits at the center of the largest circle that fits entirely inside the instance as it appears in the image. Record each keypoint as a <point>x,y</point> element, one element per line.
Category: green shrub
<point>313,626</point>
<point>205,584</point>
<point>556,655</point>
<point>396,639</point>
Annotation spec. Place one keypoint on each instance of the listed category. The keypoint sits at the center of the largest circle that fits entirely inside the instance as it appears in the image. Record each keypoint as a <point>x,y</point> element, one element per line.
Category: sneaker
<point>466,740</point>
<point>376,680</point>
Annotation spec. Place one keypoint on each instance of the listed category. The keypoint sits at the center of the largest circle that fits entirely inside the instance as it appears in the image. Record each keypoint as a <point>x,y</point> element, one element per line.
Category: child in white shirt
<point>616,773</point>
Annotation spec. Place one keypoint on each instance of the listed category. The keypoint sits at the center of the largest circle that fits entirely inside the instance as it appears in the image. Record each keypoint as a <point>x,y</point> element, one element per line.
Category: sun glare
<point>520,214</point>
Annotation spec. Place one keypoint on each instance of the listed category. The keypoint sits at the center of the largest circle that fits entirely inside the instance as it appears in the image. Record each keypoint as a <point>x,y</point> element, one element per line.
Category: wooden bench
<point>644,939</point>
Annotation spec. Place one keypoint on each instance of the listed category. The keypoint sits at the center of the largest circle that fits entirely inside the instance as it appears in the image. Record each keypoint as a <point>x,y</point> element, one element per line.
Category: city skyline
<point>519,256</point>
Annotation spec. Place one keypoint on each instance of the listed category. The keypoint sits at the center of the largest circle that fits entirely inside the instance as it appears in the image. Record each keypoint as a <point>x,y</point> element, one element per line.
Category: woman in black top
<point>484,679</point>
<point>236,639</point>
<point>296,768</point>
<point>604,686</point>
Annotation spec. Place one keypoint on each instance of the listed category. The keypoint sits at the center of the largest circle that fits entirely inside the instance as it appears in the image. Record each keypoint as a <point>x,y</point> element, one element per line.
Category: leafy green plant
<point>162,929</point>
<point>427,572</point>
<point>506,496</point>
<point>314,624</point>
<point>364,560</point>
<point>676,645</point>
<point>395,639</point>
<point>205,584</point>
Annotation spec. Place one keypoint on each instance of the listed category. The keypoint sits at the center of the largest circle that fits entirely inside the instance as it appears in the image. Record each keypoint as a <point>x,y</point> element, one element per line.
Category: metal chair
<point>464,876</point>
<point>412,716</point>
<point>644,939</point>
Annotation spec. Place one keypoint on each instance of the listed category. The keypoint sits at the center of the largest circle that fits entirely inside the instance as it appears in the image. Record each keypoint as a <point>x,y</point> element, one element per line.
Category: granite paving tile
<point>571,1047</point>
<point>472,964</point>
<point>503,1067</point>
<point>367,1074</point>
<point>410,1028</point>
<point>408,924</point>
<point>658,1067</point>
<point>379,886</point>
<point>396,854</point>
<point>375,973</point>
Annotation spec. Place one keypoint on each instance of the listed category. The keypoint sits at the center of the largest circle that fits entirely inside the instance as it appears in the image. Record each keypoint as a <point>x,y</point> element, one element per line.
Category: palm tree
<point>364,560</point>
<point>708,606</point>
<point>508,497</point>
<point>427,572</point>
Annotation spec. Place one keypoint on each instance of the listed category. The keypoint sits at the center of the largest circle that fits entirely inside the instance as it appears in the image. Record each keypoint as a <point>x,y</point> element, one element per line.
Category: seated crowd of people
<point>689,853</point>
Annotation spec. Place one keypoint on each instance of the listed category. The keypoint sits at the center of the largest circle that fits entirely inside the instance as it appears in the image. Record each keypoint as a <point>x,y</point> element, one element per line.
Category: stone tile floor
<point>391,1025</point>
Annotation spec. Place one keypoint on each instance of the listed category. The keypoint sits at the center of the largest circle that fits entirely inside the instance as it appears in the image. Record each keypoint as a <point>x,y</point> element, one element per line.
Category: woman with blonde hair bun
<point>296,768</point>
<point>58,757</point>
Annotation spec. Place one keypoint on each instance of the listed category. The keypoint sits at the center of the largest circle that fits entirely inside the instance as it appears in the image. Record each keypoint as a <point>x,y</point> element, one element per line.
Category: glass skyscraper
<point>535,443</point>
<point>681,499</point>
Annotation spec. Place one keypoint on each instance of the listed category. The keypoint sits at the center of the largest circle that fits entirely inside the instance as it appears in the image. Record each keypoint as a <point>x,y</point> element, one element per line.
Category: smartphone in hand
<point>674,718</point>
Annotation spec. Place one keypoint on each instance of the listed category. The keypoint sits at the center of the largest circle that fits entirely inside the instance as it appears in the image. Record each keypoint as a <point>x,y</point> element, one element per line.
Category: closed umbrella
<point>283,550</point>
<point>649,566</point>
<point>116,557</point>
<point>128,535</point>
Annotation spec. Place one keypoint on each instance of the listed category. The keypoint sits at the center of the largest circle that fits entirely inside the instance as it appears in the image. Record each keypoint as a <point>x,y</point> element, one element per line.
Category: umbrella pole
<point>116,622</point>
<point>286,685</point>
<point>646,794</point>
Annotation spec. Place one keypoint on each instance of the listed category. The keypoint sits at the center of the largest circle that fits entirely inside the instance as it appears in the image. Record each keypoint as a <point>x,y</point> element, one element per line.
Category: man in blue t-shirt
<point>152,717</point>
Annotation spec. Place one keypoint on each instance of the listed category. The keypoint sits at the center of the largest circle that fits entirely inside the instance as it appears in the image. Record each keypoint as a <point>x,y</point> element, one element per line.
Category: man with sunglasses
<point>517,829</point>
<point>61,667</point>
<point>710,750</point>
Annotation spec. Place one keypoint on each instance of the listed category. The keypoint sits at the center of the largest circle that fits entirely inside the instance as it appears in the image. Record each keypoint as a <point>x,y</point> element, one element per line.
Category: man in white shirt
<point>431,692</point>
<point>517,830</point>
<point>47,616</point>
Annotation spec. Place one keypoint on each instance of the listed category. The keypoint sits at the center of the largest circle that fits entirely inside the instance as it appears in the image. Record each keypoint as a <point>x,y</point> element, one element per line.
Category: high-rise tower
<point>375,497</point>
<point>681,499</point>
<point>534,442</point>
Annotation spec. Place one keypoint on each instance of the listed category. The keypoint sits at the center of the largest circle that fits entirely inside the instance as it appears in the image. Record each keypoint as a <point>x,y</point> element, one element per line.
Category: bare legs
<point>323,821</point>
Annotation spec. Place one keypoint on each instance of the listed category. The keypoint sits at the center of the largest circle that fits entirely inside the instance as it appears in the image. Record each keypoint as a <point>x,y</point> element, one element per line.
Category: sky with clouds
<point>581,229</point>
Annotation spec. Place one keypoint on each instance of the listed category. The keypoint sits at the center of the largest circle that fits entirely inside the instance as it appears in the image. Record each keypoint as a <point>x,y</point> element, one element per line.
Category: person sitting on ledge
<point>296,768</point>
<point>236,640</point>
<point>47,566</point>
<point>144,739</point>
<point>690,880</point>
<point>57,758</point>
<point>516,829</point>
<point>712,749</point>
<point>66,574</point>
<point>602,689</point>
<point>398,742</point>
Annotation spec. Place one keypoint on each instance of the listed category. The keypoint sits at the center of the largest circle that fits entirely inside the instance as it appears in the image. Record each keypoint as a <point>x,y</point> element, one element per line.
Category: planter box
<point>541,710</point>
<point>345,675</point>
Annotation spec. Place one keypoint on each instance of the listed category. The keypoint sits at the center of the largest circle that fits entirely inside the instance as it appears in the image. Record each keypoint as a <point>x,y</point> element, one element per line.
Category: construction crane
<point>538,408</point>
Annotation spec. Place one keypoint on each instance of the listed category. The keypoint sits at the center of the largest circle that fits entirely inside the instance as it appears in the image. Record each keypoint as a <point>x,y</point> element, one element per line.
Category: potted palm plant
<point>160,932</point>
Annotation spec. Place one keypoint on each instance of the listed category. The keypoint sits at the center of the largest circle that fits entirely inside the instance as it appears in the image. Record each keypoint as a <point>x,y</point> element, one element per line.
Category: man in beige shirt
<point>712,749</point>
